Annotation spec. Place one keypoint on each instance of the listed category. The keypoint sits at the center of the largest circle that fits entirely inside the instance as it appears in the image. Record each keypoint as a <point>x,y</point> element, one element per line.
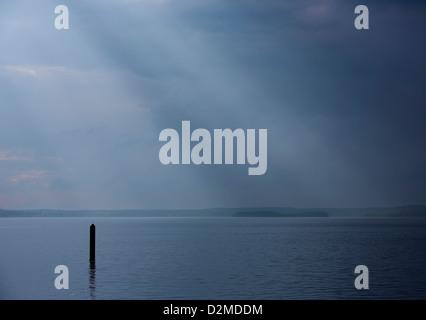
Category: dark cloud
<point>344,108</point>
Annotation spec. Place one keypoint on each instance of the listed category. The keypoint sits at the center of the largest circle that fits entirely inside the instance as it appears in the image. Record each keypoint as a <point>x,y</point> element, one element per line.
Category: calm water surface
<point>213,258</point>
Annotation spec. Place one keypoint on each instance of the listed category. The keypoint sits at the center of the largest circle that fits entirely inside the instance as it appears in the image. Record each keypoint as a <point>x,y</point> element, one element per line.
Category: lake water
<point>213,258</point>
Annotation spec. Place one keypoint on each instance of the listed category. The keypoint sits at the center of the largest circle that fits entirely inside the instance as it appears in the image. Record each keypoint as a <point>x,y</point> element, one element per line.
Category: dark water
<point>213,258</point>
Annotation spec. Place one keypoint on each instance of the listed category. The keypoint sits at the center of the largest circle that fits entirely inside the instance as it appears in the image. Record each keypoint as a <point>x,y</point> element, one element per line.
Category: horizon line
<point>224,208</point>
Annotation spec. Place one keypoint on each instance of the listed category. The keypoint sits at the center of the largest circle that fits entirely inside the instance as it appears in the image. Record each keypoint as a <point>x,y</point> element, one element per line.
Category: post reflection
<point>92,279</point>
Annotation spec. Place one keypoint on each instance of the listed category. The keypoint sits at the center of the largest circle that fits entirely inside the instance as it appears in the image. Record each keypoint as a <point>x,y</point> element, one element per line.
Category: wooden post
<point>92,242</point>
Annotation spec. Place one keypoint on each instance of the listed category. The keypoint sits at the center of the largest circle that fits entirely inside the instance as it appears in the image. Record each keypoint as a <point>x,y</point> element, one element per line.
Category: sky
<point>81,109</point>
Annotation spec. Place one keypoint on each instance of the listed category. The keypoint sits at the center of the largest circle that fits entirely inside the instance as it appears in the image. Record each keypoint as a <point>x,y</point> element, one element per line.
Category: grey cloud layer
<point>344,108</point>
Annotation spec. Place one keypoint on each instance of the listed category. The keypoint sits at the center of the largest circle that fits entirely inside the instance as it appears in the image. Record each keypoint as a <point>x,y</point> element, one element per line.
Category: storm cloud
<point>81,109</point>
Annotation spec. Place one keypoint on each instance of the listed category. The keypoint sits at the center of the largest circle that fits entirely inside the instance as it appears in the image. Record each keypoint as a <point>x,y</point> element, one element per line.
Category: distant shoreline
<point>409,211</point>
